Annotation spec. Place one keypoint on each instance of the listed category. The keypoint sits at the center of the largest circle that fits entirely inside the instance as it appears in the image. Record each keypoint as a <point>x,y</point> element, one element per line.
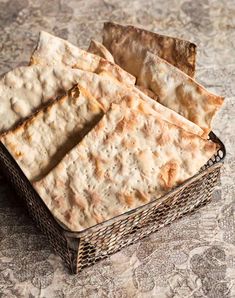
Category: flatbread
<point>42,141</point>
<point>108,91</point>
<point>26,89</point>
<point>147,92</point>
<point>131,157</point>
<point>179,92</point>
<point>128,45</point>
<point>63,123</point>
<point>52,50</point>
<point>100,50</point>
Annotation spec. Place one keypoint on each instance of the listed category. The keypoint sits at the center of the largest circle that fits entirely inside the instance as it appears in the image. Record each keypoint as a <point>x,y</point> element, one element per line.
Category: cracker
<point>128,159</point>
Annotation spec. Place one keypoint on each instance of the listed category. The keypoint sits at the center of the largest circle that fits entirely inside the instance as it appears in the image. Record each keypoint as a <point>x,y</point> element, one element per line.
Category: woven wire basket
<point>82,249</point>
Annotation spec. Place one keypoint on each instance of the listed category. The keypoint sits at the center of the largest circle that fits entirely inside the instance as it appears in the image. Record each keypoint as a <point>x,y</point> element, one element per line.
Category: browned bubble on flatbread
<point>177,91</point>
<point>99,49</point>
<point>128,45</point>
<point>129,158</point>
<point>40,142</point>
<point>52,50</point>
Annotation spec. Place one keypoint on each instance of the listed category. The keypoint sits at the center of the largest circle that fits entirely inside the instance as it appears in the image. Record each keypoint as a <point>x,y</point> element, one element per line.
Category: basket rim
<point>156,202</point>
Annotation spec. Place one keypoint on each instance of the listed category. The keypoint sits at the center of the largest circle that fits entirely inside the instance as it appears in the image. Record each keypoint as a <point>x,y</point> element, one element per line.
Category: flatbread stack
<point>130,158</point>
<point>103,131</point>
<point>128,45</point>
<point>52,50</point>
<point>179,92</point>
<point>41,141</point>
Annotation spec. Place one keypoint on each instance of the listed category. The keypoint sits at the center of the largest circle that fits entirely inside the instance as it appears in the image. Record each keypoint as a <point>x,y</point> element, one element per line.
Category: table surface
<point>194,256</point>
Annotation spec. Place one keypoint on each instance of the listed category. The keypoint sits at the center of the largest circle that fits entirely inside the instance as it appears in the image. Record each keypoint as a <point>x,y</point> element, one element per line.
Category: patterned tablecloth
<point>193,257</point>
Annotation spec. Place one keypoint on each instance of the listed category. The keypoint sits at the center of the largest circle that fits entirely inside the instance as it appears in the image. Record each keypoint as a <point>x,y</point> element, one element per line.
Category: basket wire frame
<point>81,249</point>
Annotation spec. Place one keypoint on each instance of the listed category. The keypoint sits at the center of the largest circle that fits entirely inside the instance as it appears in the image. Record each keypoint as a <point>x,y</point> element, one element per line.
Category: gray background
<point>193,257</point>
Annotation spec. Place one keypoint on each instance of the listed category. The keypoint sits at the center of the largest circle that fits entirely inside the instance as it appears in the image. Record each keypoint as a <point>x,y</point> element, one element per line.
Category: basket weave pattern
<point>82,249</point>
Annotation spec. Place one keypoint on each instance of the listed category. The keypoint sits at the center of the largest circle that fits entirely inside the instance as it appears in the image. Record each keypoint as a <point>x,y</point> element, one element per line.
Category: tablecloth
<point>194,256</point>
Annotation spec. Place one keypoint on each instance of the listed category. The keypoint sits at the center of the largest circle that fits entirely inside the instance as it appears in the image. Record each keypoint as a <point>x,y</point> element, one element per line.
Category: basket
<point>82,249</point>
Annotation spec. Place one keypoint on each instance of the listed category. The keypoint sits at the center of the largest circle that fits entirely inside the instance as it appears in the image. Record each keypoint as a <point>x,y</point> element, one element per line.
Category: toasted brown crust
<point>100,50</point>
<point>32,118</point>
<point>181,53</point>
<point>169,173</point>
<point>179,92</point>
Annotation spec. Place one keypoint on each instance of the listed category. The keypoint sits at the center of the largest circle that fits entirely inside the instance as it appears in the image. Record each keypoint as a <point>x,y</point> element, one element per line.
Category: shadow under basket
<point>82,249</point>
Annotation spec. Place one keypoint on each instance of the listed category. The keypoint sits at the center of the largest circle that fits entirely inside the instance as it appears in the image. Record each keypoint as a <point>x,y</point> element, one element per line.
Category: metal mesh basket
<point>82,249</point>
